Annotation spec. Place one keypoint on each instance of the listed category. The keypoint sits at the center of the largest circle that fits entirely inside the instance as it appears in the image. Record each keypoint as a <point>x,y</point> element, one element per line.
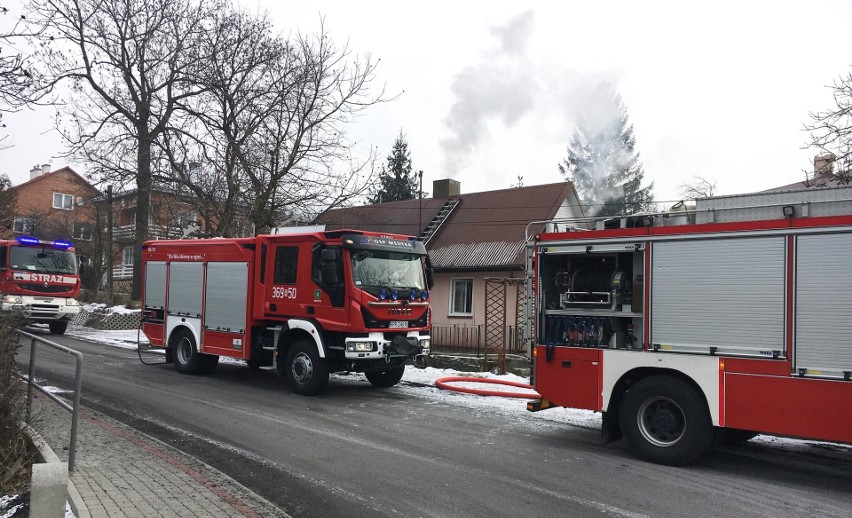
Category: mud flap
<point>610,429</point>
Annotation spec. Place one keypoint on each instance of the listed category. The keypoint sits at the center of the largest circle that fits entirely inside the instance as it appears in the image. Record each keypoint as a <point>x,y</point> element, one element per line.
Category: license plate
<point>398,324</point>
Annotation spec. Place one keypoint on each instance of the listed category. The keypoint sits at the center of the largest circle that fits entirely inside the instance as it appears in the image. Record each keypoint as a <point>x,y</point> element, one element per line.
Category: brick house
<point>53,205</point>
<point>476,243</point>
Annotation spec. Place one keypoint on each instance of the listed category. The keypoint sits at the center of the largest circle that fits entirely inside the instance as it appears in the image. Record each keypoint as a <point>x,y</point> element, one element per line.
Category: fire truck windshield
<point>381,269</point>
<point>41,259</point>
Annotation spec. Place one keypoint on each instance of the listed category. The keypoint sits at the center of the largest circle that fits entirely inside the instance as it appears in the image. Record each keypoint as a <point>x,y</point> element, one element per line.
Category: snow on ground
<point>420,383</point>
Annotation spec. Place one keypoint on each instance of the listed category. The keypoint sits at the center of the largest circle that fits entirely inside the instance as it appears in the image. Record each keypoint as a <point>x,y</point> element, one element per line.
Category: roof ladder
<point>438,220</point>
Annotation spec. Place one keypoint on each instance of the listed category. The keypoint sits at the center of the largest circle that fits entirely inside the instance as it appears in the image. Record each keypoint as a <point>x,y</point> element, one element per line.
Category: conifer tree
<point>602,161</point>
<point>396,181</point>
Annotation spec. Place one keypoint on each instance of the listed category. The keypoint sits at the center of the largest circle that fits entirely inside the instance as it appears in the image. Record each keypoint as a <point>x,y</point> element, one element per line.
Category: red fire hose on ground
<point>445,384</point>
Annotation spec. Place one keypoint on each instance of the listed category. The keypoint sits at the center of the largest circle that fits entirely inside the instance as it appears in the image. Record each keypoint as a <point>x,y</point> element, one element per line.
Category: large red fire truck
<point>39,281</point>
<point>716,323</point>
<point>302,304</point>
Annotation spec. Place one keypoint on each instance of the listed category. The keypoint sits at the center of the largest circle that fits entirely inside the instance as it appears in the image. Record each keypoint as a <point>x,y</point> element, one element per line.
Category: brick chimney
<point>39,170</point>
<point>824,164</point>
<point>446,188</point>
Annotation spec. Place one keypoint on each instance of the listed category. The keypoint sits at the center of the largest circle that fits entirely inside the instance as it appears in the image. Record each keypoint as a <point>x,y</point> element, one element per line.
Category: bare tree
<point>127,66</point>
<point>700,187</point>
<point>273,115</point>
<point>831,130</point>
<point>17,81</point>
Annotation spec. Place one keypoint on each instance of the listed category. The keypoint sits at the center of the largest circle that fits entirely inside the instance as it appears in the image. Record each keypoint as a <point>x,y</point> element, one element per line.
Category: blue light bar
<point>395,294</point>
<point>424,295</point>
<point>62,245</point>
<point>28,240</point>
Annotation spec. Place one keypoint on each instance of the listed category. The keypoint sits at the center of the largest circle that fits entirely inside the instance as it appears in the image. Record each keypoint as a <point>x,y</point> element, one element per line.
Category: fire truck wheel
<point>387,378</point>
<point>58,327</point>
<point>185,352</point>
<point>666,421</point>
<point>306,371</point>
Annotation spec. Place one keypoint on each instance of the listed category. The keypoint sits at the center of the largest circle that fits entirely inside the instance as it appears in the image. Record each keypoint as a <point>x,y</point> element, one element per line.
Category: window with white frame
<point>63,201</point>
<point>461,297</point>
<point>22,225</point>
<point>82,231</point>
<point>127,256</point>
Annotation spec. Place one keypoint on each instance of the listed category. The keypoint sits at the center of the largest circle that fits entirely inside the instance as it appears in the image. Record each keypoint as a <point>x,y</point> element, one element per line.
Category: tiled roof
<point>485,230</point>
<point>819,181</point>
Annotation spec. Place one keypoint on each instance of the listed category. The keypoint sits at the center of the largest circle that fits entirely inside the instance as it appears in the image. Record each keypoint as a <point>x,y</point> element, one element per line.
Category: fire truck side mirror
<point>430,273</point>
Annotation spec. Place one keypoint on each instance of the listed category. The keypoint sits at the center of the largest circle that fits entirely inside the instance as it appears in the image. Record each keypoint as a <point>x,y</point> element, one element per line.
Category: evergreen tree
<point>396,182</point>
<point>602,162</point>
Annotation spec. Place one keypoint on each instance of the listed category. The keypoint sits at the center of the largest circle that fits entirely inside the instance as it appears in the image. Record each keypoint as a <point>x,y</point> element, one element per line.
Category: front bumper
<point>375,346</point>
<point>43,309</point>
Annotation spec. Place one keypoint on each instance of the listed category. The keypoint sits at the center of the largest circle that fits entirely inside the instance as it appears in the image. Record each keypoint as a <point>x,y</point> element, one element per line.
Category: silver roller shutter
<point>155,284</point>
<point>225,299</point>
<point>723,293</point>
<point>185,282</point>
<point>823,319</point>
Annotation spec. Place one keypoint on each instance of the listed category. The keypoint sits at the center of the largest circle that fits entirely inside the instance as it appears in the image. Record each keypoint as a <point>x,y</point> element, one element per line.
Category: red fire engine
<point>302,304</point>
<point>39,280</point>
<point>710,324</point>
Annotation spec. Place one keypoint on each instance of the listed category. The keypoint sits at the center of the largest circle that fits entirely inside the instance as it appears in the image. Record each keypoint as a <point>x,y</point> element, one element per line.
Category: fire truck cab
<point>714,323</point>
<point>39,281</point>
<point>303,304</point>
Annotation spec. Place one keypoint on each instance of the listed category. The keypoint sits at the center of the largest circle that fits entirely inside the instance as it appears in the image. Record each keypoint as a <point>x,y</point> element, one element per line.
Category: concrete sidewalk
<point>121,472</point>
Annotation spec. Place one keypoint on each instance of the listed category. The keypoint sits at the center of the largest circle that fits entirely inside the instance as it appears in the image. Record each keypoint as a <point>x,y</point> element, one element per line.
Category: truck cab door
<point>282,287</point>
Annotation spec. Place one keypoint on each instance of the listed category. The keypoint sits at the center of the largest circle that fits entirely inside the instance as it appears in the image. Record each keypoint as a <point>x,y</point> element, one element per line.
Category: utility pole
<point>420,216</point>
<point>109,243</point>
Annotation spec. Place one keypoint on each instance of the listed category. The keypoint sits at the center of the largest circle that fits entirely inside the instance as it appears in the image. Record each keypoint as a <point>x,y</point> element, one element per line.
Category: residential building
<point>53,205</point>
<point>476,243</point>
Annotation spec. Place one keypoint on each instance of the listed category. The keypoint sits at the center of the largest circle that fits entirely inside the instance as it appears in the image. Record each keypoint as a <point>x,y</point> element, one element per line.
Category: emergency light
<point>28,240</point>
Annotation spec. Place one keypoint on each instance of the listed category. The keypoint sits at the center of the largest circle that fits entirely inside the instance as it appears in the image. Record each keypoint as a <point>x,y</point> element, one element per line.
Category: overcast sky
<point>491,90</point>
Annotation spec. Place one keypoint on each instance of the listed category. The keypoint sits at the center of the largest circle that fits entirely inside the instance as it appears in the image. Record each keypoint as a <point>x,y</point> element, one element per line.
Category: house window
<point>127,256</point>
<point>22,226</point>
<point>461,297</point>
<point>286,259</point>
<point>82,231</point>
<point>63,201</point>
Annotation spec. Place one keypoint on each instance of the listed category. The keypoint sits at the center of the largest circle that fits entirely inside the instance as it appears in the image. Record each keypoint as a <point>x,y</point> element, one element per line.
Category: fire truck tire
<point>185,353</point>
<point>58,327</point>
<point>387,378</point>
<point>307,373</point>
<point>666,421</point>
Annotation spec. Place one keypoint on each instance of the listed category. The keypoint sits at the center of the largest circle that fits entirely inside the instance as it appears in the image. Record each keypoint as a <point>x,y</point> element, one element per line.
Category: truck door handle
<point>310,310</point>
<point>273,307</point>
<point>566,365</point>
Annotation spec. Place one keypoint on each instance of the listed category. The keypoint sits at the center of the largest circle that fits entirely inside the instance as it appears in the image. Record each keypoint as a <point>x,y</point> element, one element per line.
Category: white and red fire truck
<point>716,323</point>
<point>303,304</point>
<point>39,280</point>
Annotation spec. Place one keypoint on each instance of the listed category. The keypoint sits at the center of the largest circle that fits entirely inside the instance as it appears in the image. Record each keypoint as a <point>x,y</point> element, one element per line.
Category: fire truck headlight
<point>360,347</point>
<point>425,343</point>
<point>72,302</point>
<point>11,299</point>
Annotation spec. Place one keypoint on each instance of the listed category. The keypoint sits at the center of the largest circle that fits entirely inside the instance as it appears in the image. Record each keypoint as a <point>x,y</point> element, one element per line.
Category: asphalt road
<point>361,451</point>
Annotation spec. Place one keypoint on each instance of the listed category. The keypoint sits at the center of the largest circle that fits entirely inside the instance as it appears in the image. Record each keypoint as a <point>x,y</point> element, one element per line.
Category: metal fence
<point>471,340</point>
<point>31,384</point>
